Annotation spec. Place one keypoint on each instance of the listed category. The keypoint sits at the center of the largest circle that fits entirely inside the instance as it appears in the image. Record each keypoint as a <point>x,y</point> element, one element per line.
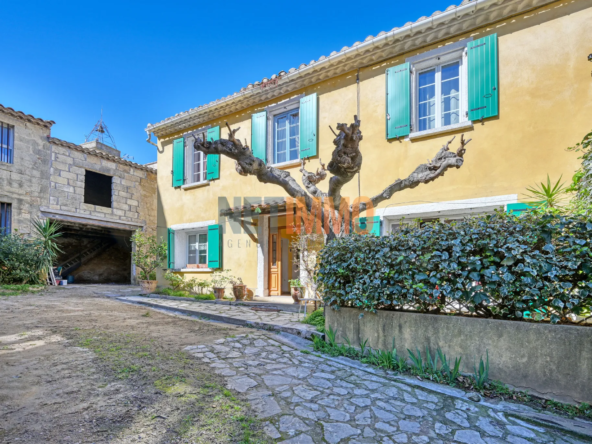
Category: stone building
<point>98,197</point>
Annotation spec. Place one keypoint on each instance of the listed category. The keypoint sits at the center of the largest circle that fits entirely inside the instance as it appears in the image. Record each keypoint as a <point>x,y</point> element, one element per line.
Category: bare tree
<point>346,162</point>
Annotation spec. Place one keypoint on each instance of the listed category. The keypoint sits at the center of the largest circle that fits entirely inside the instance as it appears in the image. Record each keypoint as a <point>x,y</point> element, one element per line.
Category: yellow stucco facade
<point>545,105</point>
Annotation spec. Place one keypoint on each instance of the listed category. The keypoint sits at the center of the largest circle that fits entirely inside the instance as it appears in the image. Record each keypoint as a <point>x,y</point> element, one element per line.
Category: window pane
<point>450,71</point>
<point>427,100</point>
<point>427,78</point>
<point>192,256</point>
<point>450,94</point>
<point>203,248</point>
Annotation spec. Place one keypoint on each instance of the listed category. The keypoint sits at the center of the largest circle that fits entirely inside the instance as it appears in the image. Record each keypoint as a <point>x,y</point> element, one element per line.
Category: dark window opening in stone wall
<point>98,189</point>
<point>5,218</point>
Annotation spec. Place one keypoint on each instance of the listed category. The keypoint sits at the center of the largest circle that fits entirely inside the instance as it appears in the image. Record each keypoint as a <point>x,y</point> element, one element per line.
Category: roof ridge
<point>27,117</point>
<point>102,154</point>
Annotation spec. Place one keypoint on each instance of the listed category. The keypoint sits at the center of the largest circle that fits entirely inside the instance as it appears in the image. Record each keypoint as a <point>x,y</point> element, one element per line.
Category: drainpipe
<point>149,138</point>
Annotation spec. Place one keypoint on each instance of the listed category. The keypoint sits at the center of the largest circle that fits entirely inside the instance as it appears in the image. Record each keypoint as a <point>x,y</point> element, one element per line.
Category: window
<point>197,253</point>
<point>195,161</point>
<point>439,88</point>
<point>286,136</point>
<point>439,96</point>
<point>6,143</point>
<point>5,218</point>
<point>98,189</point>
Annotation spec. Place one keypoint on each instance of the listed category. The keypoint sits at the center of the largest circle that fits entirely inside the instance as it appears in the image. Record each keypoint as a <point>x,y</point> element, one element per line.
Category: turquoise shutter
<point>178,162</point>
<point>259,135</point>
<point>398,101</point>
<point>171,248</point>
<point>372,224</point>
<point>213,160</point>
<point>214,246</point>
<point>308,126</point>
<point>483,78</point>
<point>517,208</point>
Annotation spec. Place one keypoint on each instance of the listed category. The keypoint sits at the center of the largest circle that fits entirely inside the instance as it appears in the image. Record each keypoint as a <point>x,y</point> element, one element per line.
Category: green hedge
<point>21,259</point>
<point>536,267</point>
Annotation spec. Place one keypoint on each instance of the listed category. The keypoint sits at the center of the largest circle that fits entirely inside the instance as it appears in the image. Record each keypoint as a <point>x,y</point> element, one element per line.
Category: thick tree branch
<point>249,165</point>
<point>346,160</point>
<point>310,180</point>
<point>426,172</point>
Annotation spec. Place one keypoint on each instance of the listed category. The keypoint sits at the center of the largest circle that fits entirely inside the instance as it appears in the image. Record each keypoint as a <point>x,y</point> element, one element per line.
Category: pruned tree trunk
<point>346,162</point>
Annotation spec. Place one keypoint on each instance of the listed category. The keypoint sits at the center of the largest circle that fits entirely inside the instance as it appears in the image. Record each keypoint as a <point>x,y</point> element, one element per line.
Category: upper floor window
<point>6,143</point>
<point>438,96</point>
<point>98,189</point>
<point>195,161</point>
<point>197,252</point>
<point>286,136</point>
<point>5,218</point>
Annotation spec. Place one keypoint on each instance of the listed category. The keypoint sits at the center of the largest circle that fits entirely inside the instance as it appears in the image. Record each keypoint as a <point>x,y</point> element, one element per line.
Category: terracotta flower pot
<point>148,286</point>
<point>219,293</point>
<point>239,291</point>
<point>297,293</point>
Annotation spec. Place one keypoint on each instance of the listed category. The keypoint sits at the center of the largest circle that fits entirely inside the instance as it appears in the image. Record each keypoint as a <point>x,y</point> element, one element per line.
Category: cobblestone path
<point>306,399</point>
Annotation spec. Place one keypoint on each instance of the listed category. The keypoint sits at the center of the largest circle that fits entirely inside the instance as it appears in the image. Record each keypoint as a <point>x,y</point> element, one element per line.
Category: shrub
<point>148,255</point>
<point>175,281</point>
<point>22,260</point>
<point>316,318</point>
<point>534,266</point>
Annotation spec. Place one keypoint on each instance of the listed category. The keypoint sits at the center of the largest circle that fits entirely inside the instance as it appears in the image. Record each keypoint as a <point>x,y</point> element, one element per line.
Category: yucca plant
<point>417,361</point>
<point>547,196</point>
<point>481,374</point>
<point>48,231</point>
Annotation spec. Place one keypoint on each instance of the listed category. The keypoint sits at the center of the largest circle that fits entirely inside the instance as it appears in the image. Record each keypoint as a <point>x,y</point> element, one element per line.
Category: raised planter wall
<point>553,361</point>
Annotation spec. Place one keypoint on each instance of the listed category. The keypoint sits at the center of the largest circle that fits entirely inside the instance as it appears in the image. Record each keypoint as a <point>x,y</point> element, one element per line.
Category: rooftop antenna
<point>101,133</point>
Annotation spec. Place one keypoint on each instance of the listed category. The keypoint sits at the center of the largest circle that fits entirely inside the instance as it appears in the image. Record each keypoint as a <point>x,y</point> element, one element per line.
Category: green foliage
<point>16,290</point>
<point>175,281</point>
<point>481,374</point>
<point>220,279</point>
<point>582,179</point>
<point>187,294</point>
<point>547,196</point>
<point>48,231</point>
<point>295,283</point>
<point>22,260</point>
<point>533,267</point>
<point>149,254</point>
<point>316,318</point>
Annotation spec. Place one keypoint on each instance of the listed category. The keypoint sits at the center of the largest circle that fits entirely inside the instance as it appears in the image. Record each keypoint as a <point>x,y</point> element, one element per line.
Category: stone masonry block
<point>68,175</point>
<point>64,159</point>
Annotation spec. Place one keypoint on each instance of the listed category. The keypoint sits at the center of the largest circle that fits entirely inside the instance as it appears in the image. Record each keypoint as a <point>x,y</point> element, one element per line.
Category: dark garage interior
<point>95,255</point>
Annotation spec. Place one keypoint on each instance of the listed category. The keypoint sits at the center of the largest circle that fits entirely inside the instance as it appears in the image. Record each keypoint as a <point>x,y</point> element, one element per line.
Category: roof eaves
<point>119,160</point>
<point>26,117</point>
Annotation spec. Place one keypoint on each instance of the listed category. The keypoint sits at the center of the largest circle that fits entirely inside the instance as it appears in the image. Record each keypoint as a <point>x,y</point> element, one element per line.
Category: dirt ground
<point>77,366</point>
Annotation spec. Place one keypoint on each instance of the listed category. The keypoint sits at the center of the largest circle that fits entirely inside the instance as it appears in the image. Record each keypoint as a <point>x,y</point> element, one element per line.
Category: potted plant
<point>238,288</point>
<point>219,281</point>
<point>297,290</point>
<point>148,255</point>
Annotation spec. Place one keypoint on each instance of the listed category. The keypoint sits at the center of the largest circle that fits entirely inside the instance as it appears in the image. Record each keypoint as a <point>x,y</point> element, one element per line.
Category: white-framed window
<point>286,136</point>
<point>197,248</point>
<point>195,161</point>
<point>439,88</point>
<point>283,131</point>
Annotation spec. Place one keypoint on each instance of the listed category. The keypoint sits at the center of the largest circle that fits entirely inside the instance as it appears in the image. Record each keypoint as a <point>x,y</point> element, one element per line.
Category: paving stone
<point>465,407</point>
<point>305,413</point>
<point>300,439</point>
<point>336,432</point>
<point>340,391</point>
<point>241,383</point>
<point>361,402</point>
<point>306,393</point>
<point>442,429</point>
<point>271,380</point>
<point>323,375</point>
<point>409,398</point>
<point>413,411</point>
<point>292,424</point>
<point>364,417</point>
<point>420,439</point>
<point>271,431</point>
<point>488,427</point>
<point>468,437</point>
<point>530,426</point>
<point>424,396</point>
<point>384,427</point>
<point>400,438</point>
<point>409,426</point>
<point>457,418</point>
<point>521,431</point>
<point>318,382</point>
<point>337,415</point>
<point>368,432</point>
<point>383,414</point>
<point>517,440</point>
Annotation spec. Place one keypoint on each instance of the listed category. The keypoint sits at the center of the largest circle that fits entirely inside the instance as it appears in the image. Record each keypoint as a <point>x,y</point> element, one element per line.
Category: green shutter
<point>308,126</point>
<point>214,246</point>
<point>178,162</point>
<point>517,208</point>
<point>398,101</point>
<point>483,78</point>
<point>213,160</point>
<point>171,248</point>
<point>259,135</point>
<point>372,224</point>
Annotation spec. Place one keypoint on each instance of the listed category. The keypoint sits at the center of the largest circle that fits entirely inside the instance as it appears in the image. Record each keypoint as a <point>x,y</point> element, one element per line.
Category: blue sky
<point>144,61</point>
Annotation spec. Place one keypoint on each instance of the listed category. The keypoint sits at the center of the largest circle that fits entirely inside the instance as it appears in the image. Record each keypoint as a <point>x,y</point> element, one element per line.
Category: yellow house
<point>511,75</point>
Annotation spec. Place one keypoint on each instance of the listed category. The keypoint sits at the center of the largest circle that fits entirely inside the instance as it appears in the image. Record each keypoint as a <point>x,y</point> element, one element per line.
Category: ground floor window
<point>5,218</point>
<point>197,253</point>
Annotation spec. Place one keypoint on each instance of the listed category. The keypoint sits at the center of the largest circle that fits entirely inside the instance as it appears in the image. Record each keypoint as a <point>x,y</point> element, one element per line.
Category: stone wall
<point>133,188</point>
<point>25,183</point>
<point>553,361</point>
